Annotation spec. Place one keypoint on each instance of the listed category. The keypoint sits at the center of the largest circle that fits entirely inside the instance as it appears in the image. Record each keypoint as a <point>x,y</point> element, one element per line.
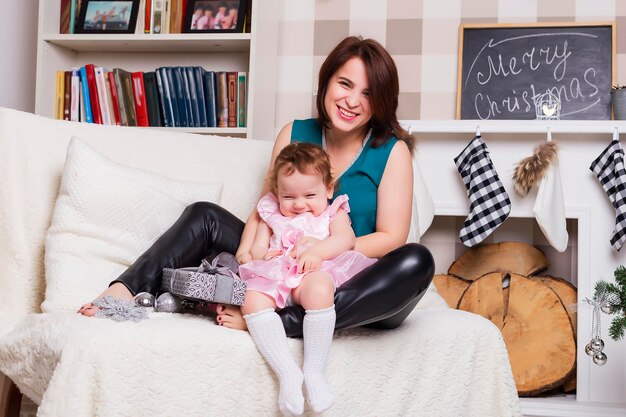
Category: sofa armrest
<point>11,399</point>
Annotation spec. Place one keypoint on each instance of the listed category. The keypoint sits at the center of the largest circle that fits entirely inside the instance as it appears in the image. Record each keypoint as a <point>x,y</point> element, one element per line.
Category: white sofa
<point>440,362</point>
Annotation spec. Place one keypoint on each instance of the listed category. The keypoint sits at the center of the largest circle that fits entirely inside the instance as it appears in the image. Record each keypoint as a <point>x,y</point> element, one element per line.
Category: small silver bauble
<point>144,299</point>
<point>167,303</point>
<point>588,350</point>
<point>608,308</point>
<point>597,344</point>
<point>599,358</point>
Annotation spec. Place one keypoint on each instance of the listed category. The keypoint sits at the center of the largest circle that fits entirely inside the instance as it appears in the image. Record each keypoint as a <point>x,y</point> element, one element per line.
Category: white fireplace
<point>589,257</point>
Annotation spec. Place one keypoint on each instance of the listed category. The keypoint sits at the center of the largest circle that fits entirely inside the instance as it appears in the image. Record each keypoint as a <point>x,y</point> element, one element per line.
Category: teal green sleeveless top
<point>360,181</point>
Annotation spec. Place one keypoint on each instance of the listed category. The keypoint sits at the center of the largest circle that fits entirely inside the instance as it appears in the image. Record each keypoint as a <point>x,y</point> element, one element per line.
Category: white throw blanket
<point>440,362</point>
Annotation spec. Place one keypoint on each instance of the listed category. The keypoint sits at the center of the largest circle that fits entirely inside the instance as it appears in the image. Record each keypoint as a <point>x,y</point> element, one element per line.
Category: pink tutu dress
<point>276,277</point>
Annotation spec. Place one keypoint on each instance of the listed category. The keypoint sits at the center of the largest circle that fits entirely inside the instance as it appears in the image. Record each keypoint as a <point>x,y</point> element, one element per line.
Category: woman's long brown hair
<point>384,87</point>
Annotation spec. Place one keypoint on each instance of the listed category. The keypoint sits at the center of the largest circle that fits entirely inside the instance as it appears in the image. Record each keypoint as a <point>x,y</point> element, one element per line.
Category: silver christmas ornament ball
<point>599,358</point>
<point>144,299</point>
<point>167,303</point>
<point>597,344</point>
<point>588,350</point>
<point>608,308</point>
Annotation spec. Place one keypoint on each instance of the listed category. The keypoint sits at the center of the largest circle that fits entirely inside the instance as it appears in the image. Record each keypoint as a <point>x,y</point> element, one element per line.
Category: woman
<point>370,157</point>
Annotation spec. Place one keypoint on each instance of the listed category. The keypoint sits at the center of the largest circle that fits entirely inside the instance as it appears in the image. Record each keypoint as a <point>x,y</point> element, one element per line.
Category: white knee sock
<point>318,328</point>
<point>268,333</point>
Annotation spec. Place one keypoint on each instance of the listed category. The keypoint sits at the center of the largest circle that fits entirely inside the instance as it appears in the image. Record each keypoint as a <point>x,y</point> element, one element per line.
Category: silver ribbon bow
<point>222,264</point>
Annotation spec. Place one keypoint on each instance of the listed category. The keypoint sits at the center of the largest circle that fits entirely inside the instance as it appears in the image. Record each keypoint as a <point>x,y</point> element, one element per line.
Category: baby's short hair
<point>305,158</point>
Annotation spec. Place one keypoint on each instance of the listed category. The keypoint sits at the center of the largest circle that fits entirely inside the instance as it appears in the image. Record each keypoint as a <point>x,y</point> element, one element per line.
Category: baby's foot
<point>320,397</point>
<point>290,399</point>
<point>231,317</point>
<point>117,290</point>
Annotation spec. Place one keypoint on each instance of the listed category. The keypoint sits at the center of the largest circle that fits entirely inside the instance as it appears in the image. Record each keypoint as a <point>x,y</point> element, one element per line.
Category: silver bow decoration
<point>222,264</point>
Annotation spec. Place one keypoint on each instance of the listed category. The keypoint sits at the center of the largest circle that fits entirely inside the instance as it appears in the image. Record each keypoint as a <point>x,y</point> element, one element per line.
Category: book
<point>241,99</point>
<point>197,73</point>
<point>75,96</point>
<point>166,16</point>
<point>84,87</point>
<point>177,81</point>
<point>102,96</point>
<point>176,16</point>
<point>210,85</point>
<point>125,96</point>
<point>173,96</point>
<point>109,97</point>
<point>73,12</point>
<point>93,94</point>
<point>165,99</point>
<point>221,98</point>
<point>147,18</point>
<point>64,24</point>
<point>81,100</point>
<point>152,98</point>
<point>156,21</point>
<point>231,79</point>
<point>139,94</point>
<point>60,92</point>
<point>67,94</point>
<point>191,80</point>
<point>191,122</point>
<point>114,98</point>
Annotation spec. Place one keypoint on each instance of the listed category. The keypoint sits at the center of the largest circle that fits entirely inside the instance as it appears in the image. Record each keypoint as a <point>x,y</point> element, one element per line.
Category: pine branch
<point>616,331</point>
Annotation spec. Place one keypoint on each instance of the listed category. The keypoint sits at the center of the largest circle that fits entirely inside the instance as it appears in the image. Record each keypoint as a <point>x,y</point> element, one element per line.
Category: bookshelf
<point>254,53</point>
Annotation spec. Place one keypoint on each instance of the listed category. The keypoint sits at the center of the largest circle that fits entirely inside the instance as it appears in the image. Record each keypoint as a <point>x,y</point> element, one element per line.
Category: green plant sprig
<point>615,296</point>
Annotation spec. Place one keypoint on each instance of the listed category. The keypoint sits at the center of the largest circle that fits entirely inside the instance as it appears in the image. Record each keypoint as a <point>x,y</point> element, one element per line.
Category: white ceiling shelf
<point>184,42</point>
<point>514,126</point>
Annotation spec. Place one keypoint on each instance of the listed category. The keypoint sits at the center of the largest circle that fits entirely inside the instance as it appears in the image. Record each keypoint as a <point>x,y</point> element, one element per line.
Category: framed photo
<point>210,16</point>
<point>107,16</point>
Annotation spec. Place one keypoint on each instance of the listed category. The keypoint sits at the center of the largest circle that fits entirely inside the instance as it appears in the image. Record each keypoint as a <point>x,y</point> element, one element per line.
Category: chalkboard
<point>503,68</point>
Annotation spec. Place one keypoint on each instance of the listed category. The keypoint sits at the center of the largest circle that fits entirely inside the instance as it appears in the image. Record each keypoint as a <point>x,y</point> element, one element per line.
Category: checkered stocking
<point>609,168</point>
<point>489,201</point>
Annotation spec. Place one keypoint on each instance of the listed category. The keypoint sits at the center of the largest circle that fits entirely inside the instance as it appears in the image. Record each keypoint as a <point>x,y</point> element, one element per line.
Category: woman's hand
<point>243,258</point>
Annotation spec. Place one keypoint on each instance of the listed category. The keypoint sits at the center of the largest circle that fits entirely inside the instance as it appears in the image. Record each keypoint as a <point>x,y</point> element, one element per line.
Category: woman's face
<point>347,97</point>
<point>301,193</point>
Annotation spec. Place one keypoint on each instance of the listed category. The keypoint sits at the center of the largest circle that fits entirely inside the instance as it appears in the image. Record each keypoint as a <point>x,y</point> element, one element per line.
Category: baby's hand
<point>303,244</point>
<point>309,261</point>
<point>272,254</point>
<point>243,258</point>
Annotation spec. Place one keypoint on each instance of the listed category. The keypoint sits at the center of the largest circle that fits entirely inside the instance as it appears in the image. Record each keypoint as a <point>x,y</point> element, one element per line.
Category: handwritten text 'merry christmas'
<point>551,58</point>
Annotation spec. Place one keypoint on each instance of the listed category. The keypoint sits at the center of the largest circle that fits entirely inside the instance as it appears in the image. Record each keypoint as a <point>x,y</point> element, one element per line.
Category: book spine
<point>169,71</point>
<point>64,24</point>
<point>165,106</point>
<point>191,79</point>
<point>166,16</point>
<point>60,91</point>
<point>119,86</point>
<point>241,99</point>
<point>114,98</point>
<point>147,18</point>
<point>221,98</point>
<point>82,115</point>
<point>102,96</point>
<point>231,79</point>
<point>152,98</point>
<point>156,22</point>
<point>197,72</point>
<point>139,93</point>
<point>107,86</point>
<point>180,98</point>
<point>93,94</point>
<point>84,84</point>
<point>67,94</point>
<point>72,16</point>
<point>191,122</point>
<point>75,96</point>
<point>210,85</point>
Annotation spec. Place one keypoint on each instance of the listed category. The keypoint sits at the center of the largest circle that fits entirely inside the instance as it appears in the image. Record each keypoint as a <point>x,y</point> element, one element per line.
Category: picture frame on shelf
<point>107,16</point>
<point>215,16</point>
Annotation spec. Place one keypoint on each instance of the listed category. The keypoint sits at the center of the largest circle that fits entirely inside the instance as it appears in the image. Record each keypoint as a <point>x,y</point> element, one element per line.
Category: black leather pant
<point>380,296</point>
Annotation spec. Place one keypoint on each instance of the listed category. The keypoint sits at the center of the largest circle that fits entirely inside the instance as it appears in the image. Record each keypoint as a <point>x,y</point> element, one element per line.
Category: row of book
<point>167,96</point>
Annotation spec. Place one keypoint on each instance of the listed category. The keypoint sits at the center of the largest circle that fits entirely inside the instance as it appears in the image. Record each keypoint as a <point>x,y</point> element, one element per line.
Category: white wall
<point>18,49</point>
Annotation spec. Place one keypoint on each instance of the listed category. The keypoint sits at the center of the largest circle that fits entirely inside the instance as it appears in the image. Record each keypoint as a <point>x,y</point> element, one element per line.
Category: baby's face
<point>301,193</point>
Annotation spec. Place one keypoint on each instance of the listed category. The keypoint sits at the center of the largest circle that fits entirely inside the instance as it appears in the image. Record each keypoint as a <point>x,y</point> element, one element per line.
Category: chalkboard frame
<point>531,26</point>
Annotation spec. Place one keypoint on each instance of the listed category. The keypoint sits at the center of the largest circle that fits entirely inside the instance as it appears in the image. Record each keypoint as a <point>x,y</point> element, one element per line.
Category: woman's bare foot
<point>117,290</point>
<point>231,317</point>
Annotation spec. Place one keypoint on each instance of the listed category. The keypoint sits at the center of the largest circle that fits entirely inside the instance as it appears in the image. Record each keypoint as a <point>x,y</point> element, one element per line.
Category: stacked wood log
<point>500,282</point>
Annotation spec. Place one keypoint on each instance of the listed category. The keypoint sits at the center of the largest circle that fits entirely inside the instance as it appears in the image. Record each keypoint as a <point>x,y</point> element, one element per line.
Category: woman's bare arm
<point>393,213</point>
<point>249,231</point>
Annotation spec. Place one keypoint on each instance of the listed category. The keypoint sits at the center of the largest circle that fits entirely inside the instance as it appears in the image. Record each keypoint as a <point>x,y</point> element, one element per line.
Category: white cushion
<point>105,216</point>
